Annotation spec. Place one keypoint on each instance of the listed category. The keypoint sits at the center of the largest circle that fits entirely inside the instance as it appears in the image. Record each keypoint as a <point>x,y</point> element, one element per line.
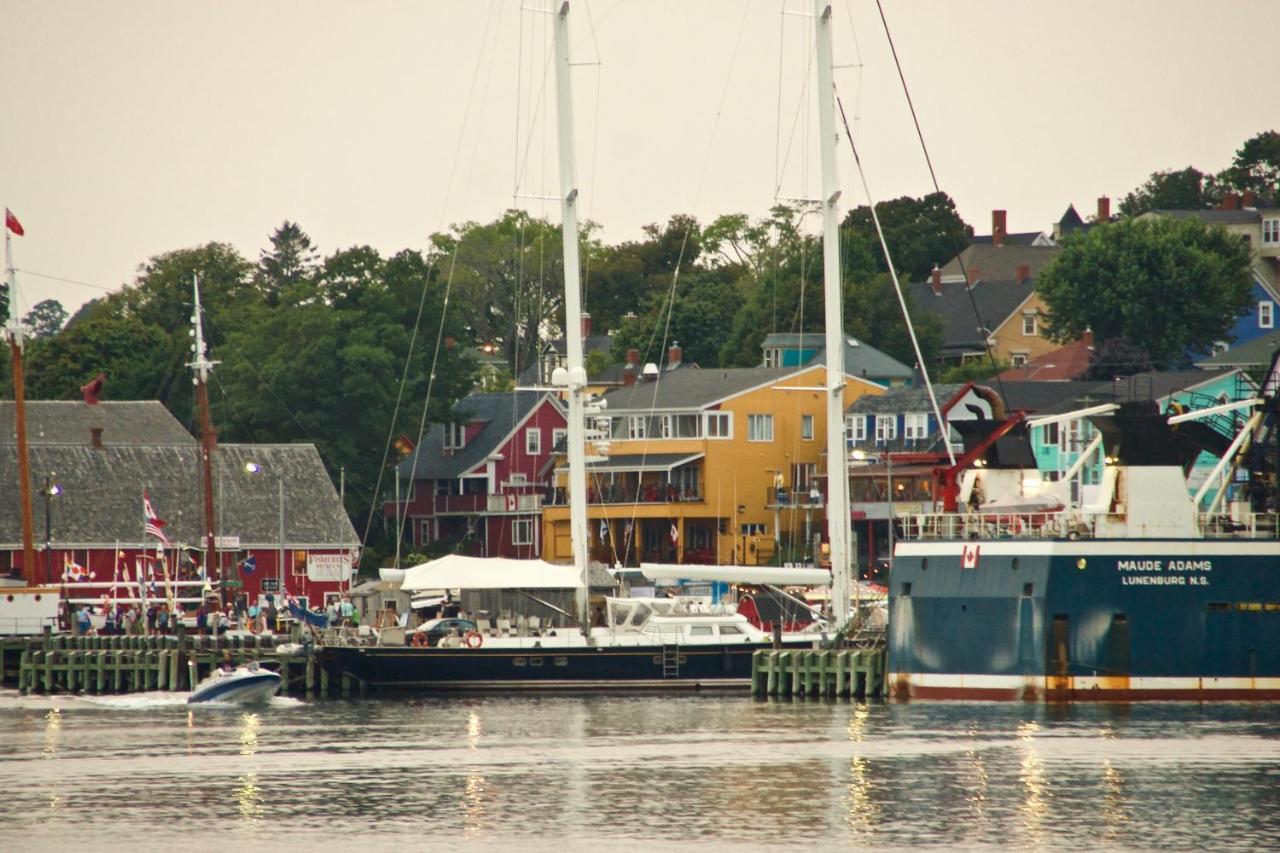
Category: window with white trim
<point>771,358</point>
<point>886,428</point>
<point>558,435</point>
<point>806,427</point>
<point>1266,314</point>
<point>1049,435</point>
<point>915,426</point>
<point>1028,324</point>
<point>1270,232</point>
<point>719,424</point>
<point>455,436</point>
<point>1018,359</point>
<point>636,427</point>
<point>522,531</point>
<point>759,427</point>
<point>855,428</point>
<point>533,441</point>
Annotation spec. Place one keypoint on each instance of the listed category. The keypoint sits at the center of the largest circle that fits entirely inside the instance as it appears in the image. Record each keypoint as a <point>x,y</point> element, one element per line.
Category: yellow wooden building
<point>703,465</point>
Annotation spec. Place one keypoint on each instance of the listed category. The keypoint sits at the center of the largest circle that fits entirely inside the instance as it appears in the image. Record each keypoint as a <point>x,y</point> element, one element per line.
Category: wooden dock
<point>852,673</point>
<point>59,663</point>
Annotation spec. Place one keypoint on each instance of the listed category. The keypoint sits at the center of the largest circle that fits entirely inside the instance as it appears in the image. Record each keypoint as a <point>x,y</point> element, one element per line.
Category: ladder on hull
<point>670,661</point>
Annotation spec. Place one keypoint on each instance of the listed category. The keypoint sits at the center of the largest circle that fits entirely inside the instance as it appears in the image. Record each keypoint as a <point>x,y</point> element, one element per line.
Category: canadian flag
<point>969,557</point>
<point>11,223</point>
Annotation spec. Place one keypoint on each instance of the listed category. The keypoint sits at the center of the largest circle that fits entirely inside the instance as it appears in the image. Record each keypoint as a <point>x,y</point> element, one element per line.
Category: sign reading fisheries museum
<point>328,567</point>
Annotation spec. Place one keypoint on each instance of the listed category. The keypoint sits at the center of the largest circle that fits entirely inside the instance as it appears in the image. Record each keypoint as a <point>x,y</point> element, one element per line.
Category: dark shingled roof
<point>1019,238</point>
<point>903,399</point>
<point>133,422</point>
<point>1054,397</point>
<point>1256,353</point>
<point>1001,262</point>
<point>996,301</point>
<point>692,389</point>
<point>860,358</point>
<point>499,412</point>
<point>100,504</point>
<point>1242,216</point>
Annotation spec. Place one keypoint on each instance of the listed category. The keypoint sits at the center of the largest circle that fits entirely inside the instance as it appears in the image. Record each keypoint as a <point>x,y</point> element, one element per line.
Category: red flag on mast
<point>11,222</point>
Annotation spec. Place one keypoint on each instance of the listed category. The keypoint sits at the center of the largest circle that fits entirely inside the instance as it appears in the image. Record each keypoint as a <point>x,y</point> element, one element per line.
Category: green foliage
<point>45,318</point>
<point>920,232</point>
<point>1184,189</point>
<point>598,361</point>
<point>1256,167</point>
<point>973,371</point>
<point>1167,286</point>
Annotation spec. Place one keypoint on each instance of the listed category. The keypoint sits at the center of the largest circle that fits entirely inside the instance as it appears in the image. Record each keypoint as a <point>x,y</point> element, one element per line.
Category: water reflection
<point>861,812</point>
<point>976,781</point>
<point>474,791</point>
<point>248,794</point>
<point>52,735</point>
<point>1031,772</point>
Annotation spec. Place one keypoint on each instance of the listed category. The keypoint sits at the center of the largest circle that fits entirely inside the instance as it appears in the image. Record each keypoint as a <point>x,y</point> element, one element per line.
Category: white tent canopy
<point>458,572</point>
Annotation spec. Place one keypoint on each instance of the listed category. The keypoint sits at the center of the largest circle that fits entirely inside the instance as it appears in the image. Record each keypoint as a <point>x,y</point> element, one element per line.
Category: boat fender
<point>473,639</point>
<point>1016,526</point>
<point>419,640</point>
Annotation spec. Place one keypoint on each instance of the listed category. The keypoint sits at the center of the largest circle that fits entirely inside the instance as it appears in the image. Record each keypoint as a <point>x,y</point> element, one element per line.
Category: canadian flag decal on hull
<point>969,557</point>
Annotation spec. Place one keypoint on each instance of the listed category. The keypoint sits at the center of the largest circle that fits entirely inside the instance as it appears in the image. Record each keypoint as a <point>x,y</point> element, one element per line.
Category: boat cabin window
<point>729,629</point>
<point>700,630</point>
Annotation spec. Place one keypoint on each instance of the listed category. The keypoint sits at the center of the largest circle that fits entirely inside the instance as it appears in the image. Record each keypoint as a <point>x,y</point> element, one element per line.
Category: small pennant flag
<point>73,571</point>
<point>969,557</point>
<point>604,530</point>
<point>11,223</point>
<point>153,525</point>
<point>675,533</point>
<point>249,565</point>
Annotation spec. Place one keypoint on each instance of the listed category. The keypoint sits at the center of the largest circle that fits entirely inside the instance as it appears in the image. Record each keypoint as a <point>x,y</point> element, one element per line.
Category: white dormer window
<point>1029,324</point>
<point>855,428</point>
<point>771,358</point>
<point>1271,232</point>
<point>886,428</point>
<point>636,427</point>
<point>455,436</point>
<point>1266,314</point>
<point>533,441</point>
<point>915,426</point>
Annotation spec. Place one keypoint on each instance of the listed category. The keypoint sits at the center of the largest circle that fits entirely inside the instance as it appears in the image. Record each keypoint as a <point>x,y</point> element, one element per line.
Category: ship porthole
<point>1015,564</point>
<point>924,564</point>
<point>8,598</point>
<point>37,597</point>
<point>1080,563</point>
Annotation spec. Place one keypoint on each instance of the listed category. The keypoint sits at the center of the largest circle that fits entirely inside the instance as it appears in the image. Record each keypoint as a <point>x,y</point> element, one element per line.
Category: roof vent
<point>650,372</point>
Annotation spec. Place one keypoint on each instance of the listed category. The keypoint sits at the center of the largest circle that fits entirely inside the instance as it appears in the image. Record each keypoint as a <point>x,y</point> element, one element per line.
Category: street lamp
<point>255,468</point>
<point>50,491</point>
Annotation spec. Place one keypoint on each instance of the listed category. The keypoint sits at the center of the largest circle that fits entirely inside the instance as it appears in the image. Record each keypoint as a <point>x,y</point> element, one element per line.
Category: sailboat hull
<point>635,667</point>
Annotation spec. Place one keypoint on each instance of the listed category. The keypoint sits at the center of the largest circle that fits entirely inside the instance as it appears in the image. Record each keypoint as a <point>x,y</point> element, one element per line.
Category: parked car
<point>434,629</point>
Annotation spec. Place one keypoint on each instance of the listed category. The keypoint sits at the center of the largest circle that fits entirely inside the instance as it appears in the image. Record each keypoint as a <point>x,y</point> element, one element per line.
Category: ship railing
<point>1237,525</point>
<point>982,525</point>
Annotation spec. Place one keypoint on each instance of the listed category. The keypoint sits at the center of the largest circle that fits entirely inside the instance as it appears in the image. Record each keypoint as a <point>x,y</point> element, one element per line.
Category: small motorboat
<point>243,685</point>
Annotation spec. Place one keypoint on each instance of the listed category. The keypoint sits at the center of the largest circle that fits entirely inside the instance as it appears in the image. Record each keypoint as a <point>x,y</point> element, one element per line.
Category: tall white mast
<point>575,378</point>
<point>837,457</point>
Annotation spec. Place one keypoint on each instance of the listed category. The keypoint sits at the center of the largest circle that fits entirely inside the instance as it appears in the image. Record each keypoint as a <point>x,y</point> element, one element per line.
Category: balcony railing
<point>476,504</point>
<point>619,495</point>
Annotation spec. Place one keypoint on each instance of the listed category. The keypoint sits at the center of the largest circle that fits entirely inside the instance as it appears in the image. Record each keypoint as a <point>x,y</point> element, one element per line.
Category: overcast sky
<point>128,129</point>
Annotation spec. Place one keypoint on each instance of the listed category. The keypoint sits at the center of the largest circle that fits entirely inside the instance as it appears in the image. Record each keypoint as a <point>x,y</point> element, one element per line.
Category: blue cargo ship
<point>1146,592</point>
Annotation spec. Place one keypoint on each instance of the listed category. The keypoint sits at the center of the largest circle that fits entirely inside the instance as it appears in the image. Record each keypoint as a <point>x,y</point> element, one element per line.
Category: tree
<point>1256,167</point>
<point>1184,189</point>
<point>629,277</point>
<point>288,265</point>
<point>45,318</point>
<point>976,370</point>
<point>920,232</point>
<point>1116,357</point>
<point>1168,286</point>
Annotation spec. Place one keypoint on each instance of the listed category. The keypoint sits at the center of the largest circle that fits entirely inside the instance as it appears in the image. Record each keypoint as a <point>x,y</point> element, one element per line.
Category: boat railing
<point>984,525</point>
<point>1236,525</point>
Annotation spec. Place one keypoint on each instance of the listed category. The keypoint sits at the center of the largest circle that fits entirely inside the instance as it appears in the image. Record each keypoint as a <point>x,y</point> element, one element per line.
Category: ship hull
<point>453,669</point>
<point>1088,620</point>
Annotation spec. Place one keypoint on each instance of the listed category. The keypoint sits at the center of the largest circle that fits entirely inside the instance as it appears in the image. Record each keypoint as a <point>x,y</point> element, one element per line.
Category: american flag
<point>152,525</point>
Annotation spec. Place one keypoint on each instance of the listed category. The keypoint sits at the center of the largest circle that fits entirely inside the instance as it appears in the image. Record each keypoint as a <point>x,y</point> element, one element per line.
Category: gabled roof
<point>698,388</point>
<point>1001,262</point>
<point>905,399</point>
<point>996,302</point>
<point>1019,238</point>
<point>1067,362</point>
<point>1240,216</point>
<point>500,412</point>
<point>1070,221</point>
<point>1255,353</point>
<point>101,494</point>
<point>860,358</point>
<point>132,422</point>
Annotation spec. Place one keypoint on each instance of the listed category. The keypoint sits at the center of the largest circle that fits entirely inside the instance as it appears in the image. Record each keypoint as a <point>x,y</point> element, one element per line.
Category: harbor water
<point>148,772</point>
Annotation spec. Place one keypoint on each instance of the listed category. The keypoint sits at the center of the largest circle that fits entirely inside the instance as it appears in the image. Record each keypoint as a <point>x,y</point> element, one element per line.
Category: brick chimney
<point>998,227</point>
<point>1230,201</point>
<point>1104,209</point>
<point>972,276</point>
<point>1087,337</point>
<point>633,357</point>
<point>1023,273</point>
<point>95,438</point>
<point>674,356</point>
<point>1248,199</point>
<point>935,280</point>
<point>586,324</point>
